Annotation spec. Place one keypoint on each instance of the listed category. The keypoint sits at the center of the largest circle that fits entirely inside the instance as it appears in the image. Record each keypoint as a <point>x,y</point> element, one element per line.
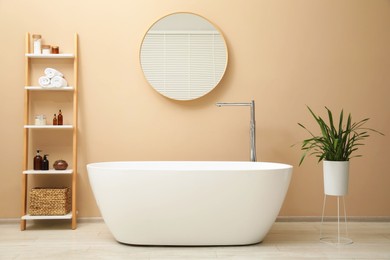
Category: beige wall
<point>283,54</point>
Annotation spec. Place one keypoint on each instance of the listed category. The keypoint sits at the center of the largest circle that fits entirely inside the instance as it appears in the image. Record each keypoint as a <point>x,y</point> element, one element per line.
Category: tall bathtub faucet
<point>252,124</point>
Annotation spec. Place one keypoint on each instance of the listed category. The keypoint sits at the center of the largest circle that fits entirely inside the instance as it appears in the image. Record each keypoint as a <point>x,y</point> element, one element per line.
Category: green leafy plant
<point>335,144</point>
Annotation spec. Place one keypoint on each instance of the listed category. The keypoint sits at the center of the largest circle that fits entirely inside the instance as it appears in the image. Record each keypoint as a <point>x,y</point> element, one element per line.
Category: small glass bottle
<point>55,121</point>
<point>37,43</point>
<point>60,118</point>
<point>37,120</point>
<point>40,120</point>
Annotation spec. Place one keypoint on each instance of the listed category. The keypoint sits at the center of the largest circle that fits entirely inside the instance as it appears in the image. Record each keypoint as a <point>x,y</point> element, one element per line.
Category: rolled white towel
<point>49,72</point>
<point>44,81</point>
<point>58,82</point>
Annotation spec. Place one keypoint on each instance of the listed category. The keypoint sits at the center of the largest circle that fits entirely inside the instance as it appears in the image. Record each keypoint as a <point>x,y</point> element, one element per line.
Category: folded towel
<point>49,72</point>
<point>44,82</point>
<point>58,82</point>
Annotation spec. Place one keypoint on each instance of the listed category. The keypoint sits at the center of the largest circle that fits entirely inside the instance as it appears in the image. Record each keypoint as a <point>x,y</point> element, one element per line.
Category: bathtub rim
<point>193,166</point>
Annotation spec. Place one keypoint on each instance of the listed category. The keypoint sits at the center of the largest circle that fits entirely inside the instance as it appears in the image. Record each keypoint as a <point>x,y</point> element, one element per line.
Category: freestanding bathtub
<point>189,203</point>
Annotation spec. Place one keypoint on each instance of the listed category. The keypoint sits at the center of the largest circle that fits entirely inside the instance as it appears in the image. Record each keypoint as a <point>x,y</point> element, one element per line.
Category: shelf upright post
<point>25,132</point>
<point>75,130</point>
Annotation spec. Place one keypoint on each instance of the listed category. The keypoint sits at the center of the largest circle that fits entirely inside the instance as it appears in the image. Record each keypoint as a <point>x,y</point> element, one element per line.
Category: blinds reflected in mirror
<point>183,65</point>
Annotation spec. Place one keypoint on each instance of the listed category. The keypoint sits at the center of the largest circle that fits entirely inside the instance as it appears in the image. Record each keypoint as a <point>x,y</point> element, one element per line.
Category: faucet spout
<point>252,124</point>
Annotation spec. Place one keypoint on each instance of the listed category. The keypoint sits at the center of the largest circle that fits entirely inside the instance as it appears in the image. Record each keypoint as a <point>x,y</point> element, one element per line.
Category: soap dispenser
<point>38,161</point>
<point>45,163</point>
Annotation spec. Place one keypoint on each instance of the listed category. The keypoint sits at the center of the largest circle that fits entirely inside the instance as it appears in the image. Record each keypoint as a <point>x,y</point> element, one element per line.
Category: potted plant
<point>335,146</point>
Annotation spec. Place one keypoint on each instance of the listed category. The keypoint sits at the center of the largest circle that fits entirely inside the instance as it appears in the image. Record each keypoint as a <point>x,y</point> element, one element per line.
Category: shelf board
<point>51,171</point>
<point>29,217</point>
<point>51,56</point>
<point>49,126</point>
<point>39,88</point>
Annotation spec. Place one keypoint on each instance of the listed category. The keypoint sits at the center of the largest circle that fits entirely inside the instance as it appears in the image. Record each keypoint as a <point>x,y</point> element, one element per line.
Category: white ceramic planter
<point>336,176</point>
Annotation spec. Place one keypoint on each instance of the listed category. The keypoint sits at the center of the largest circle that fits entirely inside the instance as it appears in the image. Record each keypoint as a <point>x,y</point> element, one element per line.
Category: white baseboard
<point>79,220</point>
<point>278,219</point>
<point>90,220</point>
<point>332,218</point>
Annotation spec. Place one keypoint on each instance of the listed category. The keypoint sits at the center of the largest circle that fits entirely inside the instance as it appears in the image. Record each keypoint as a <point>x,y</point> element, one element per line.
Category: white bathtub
<point>189,203</point>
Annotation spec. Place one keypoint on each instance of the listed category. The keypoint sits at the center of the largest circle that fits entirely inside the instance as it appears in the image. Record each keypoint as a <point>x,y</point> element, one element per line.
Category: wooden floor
<point>286,240</point>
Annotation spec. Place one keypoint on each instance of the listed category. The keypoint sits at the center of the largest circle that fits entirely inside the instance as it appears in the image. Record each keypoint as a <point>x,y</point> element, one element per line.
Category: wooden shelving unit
<point>73,128</point>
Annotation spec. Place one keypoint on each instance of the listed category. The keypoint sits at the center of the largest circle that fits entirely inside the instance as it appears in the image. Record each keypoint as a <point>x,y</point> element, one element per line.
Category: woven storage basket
<point>50,201</point>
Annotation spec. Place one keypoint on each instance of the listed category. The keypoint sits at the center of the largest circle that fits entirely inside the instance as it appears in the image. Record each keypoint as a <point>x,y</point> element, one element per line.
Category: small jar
<point>55,50</point>
<point>40,120</point>
<point>45,49</point>
<point>37,43</point>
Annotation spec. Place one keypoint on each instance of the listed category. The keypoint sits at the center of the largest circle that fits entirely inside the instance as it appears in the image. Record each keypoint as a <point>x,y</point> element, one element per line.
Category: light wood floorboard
<point>286,240</point>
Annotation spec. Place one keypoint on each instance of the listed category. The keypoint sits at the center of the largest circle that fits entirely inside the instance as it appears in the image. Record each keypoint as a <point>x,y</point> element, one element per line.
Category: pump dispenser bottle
<point>38,161</point>
<point>45,163</point>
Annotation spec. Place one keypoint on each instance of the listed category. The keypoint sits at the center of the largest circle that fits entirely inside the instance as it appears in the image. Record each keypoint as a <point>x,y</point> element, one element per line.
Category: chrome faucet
<point>252,124</point>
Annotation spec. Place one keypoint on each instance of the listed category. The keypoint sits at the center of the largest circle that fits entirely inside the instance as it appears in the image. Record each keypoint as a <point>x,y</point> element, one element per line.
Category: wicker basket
<point>50,201</point>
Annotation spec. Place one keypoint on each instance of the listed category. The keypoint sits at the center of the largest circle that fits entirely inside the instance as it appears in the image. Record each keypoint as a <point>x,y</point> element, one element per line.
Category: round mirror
<point>183,56</point>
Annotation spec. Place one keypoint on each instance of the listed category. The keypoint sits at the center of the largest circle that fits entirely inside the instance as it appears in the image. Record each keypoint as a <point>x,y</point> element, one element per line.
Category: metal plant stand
<point>339,239</point>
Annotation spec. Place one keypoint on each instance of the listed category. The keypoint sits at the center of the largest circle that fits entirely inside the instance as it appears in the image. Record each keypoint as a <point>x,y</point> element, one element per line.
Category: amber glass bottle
<point>60,118</point>
<point>38,161</point>
<point>55,121</point>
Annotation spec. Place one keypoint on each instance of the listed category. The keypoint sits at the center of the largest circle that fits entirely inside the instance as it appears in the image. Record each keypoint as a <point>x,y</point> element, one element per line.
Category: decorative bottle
<point>55,120</point>
<point>60,118</point>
